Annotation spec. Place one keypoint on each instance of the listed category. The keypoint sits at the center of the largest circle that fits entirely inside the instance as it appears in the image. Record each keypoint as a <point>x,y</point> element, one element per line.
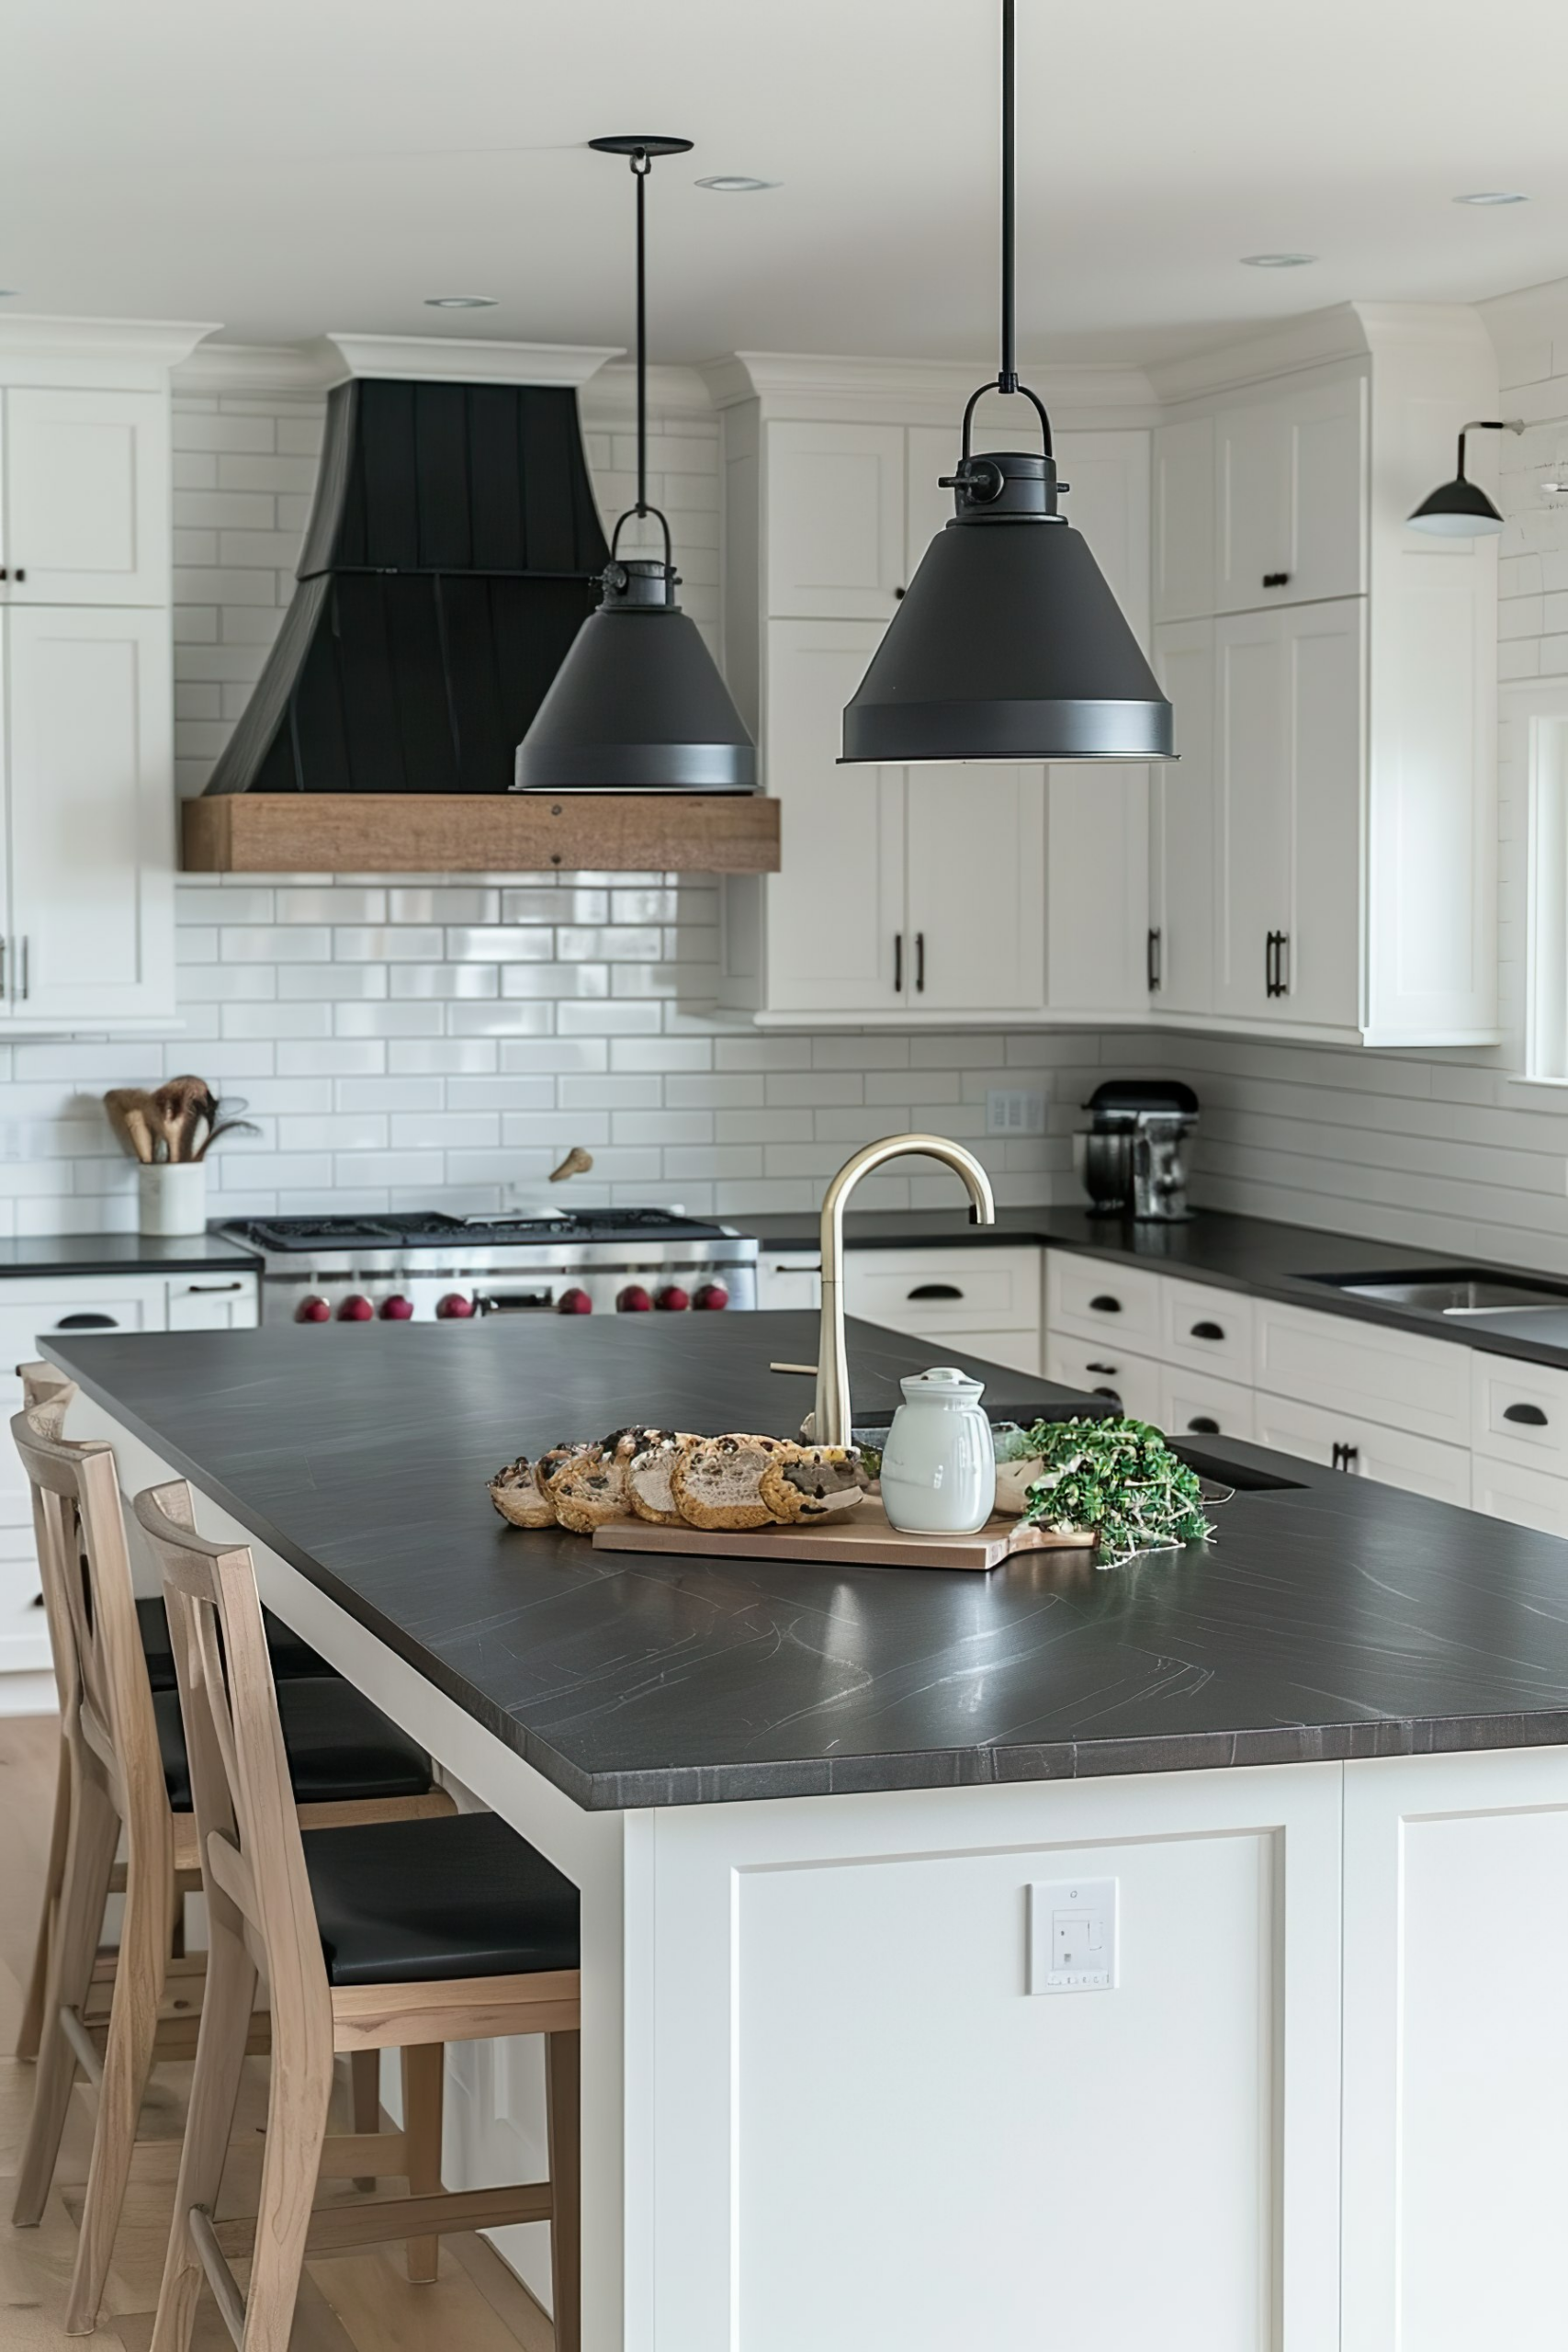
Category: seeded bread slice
<point>557,1459</point>
<point>718,1481</point>
<point>515,1493</point>
<point>589,1493</point>
<point>810,1482</point>
<point>650,1489</point>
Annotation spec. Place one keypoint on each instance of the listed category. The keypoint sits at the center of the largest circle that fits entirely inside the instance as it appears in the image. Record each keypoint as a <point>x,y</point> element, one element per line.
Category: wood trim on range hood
<point>491,833</point>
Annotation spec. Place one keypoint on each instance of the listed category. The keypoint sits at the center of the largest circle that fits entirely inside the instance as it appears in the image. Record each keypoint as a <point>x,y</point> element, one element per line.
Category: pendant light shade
<point>1008,644</point>
<point>638,704</point>
<point>1460,509</point>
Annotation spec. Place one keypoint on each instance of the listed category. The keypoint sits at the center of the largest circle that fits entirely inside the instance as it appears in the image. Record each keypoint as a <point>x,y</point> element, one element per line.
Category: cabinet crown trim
<point>905,388</point>
<point>162,343</point>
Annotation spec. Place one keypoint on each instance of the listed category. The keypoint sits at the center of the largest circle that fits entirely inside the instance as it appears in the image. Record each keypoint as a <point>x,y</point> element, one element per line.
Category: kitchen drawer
<point>1020,1350</point>
<point>1131,1381</point>
<point>1095,1296</point>
<point>109,1303</point>
<point>1206,1329</point>
<point>1520,1413</point>
<point>930,1291</point>
<point>1394,1378</point>
<point>787,1278</point>
<point>1194,1404</point>
<point>1367,1449</point>
<point>211,1303</point>
<point>1529,1498</point>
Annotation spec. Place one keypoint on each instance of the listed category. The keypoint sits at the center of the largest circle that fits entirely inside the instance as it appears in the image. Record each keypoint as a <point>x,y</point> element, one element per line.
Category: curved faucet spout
<point>834,1416</point>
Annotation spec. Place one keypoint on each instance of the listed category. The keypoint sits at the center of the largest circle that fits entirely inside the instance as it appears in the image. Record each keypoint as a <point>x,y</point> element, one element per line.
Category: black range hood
<point>451,559</point>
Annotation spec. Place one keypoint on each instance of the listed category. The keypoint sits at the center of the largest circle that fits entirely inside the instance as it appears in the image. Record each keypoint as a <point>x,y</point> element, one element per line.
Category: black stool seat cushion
<point>339,1746</point>
<point>462,1895</point>
<point>292,1660</point>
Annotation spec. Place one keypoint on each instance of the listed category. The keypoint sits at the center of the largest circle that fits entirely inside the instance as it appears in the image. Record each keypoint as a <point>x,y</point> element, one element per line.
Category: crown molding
<point>243,368</point>
<point>916,391</point>
<point>1525,303</point>
<point>671,391</point>
<point>1315,340</point>
<point>446,359</point>
<point>136,352</point>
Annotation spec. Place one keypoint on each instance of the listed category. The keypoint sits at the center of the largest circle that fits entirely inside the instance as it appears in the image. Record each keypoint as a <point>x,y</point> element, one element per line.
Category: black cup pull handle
<point>1105,1305</point>
<point>936,1290</point>
<point>1208,1331</point>
<point>1110,1394</point>
<point>1203,1425</point>
<point>87,1323</point>
<point>1530,1415</point>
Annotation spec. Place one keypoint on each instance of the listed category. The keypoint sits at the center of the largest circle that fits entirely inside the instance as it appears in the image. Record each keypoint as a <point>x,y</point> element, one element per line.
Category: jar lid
<point>943,1381</point>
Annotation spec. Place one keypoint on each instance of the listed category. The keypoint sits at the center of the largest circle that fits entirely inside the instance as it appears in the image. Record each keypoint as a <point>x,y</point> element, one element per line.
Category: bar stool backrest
<point>246,1822</point>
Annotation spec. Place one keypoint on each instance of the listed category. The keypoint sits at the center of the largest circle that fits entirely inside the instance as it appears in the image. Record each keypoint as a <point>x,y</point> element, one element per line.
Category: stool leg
<point>95,1833</point>
<point>424,2068</point>
<point>563,2055</point>
<point>226,2002</point>
<point>365,2100</point>
<point>298,2098</point>
<point>29,2032</point>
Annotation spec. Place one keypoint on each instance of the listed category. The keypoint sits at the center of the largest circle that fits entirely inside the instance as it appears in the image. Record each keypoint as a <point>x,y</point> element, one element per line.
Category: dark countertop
<point>1333,1617</point>
<point>1247,1253</point>
<point>122,1253</point>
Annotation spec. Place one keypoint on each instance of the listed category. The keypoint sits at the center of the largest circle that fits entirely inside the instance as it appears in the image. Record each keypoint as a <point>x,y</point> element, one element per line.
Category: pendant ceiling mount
<point>638,704</point>
<point>1008,643</point>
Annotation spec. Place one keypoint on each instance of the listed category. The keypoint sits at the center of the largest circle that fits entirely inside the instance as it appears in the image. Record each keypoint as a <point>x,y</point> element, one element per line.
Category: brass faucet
<point>834,1419</point>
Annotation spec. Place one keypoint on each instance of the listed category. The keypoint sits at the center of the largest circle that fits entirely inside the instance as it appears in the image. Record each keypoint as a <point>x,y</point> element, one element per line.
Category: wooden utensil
<point>131,1116</point>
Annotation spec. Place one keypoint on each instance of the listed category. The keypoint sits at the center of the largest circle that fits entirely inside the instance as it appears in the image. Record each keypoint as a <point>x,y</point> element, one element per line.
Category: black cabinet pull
<point>1346,1457</point>
<point>1105,1305</point>
<point>1110,1394</point>
<point>1208,1331</point>
<point>936,1290</point>
<point>1531,1415</point>
<point>899,594</point>
<point>87,1323</point>
<point>1203,1425</point>
<point>898,963</point>
<point>919,962</point>
<point>1154,962</point>
<point>19,573</point>
<point>1276,580</point>
<point>1111,1368</point>
<point>200,1289</point>
<point>1276,970</point>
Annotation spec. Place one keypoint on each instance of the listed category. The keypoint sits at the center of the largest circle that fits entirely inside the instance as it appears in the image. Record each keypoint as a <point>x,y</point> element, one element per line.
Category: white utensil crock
<point>173,1196</point>
<point>939,1471</point>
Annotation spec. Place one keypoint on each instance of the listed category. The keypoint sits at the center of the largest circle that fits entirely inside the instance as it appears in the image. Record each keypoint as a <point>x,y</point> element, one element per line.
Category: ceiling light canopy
<point>1008,644</point>
<point>1460,509</point>
<point>1278,261</point>
<point>638,706</point>
<point>459,301</point>
<point>735,184</point>
<point>1484,196</point>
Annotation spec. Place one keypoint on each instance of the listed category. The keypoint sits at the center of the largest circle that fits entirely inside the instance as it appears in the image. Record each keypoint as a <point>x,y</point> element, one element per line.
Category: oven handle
<point>514,1302</point>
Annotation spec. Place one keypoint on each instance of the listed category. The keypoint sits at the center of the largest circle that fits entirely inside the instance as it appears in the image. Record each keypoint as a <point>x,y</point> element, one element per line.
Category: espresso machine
<point>1130,1161</point>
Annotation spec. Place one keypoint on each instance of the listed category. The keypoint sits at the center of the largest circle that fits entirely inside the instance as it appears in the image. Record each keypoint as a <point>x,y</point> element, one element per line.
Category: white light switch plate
<point>1072,1934</point>
<point>1014,1111</point>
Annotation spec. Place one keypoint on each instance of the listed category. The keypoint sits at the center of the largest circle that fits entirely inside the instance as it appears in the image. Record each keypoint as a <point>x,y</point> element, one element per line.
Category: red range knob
<point>454,1308</point>
<point>397,1309</point>
<point>673,1299</point>
<point>357,1309</point>
<point>710,1296</point>
<point>634,1300</point>
<point>313,1310</point>
<point>574,1302</point>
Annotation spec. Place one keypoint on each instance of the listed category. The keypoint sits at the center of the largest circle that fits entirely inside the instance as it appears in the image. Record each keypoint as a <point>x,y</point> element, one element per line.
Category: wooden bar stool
<point>127,1775</point>
<point>405,1936</point>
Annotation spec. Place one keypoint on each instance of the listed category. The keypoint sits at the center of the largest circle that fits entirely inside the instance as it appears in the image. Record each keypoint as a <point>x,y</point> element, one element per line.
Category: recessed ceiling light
<point>1492,195</point>
<point>1277,261</point>
<point>735,184</point>
<point>460,301</point>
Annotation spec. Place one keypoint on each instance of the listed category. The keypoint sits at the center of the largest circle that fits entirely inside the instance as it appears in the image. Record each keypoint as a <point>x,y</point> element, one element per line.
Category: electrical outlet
<point>1072,1936</point>
<point>1014,1111</point>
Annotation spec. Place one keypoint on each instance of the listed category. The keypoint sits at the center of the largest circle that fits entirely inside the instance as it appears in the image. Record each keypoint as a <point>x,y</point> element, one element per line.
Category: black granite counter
<point>1247,1253</point>
<point>1333,1618</point>
<point>122,1253</point>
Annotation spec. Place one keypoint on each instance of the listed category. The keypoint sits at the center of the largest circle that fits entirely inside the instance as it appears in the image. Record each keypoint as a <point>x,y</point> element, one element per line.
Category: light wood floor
<point>358,2303</point>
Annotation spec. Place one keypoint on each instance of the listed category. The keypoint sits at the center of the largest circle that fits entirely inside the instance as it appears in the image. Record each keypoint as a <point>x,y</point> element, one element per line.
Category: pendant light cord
<point>1007,376</point>
<point>642,163</point>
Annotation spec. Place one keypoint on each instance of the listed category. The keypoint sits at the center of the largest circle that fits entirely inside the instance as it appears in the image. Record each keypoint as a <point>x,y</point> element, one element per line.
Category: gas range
<point>423,1267</point>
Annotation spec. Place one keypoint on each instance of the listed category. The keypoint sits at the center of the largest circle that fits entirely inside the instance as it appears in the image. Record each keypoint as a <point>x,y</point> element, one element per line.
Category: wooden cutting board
<point>864,1540</point>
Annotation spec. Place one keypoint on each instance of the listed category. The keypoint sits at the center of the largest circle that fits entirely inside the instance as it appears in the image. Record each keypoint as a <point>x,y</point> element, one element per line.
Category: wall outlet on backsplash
<point>1014,1111</point>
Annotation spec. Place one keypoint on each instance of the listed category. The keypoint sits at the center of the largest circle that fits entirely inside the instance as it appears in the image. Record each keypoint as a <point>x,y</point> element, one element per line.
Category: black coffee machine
<point>1130,1161</point>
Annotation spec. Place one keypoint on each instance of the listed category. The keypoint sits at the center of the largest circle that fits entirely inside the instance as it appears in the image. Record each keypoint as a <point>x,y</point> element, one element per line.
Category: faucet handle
<point>808,1369</point>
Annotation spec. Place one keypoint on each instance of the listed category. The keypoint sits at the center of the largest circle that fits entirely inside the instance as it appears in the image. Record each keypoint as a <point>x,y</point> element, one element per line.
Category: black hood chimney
<point>450,560</point>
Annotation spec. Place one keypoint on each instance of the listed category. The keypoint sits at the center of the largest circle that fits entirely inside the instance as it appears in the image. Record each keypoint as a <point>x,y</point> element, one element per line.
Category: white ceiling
<point>298,165</point>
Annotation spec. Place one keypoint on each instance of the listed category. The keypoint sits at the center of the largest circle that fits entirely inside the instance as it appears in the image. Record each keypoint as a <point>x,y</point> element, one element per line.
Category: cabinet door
<point>212,1303</point>
<point>976,888</point>
<point>1197,1404</point>
<point>1291,497</point>
<point>90,814</point>
<point>1181,827</point>
<point>836,909</point>
<point>1252,809</point>
<point>1364,1449</point>
<point>1183,520</point>
<point>1324,668</point>
<point>835,521</point>
<point>86,498</point>
<point>931,451</point>
<point>1130,1383</point>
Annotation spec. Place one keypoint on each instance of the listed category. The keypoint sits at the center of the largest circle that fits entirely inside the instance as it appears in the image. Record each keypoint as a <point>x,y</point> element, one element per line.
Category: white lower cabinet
<point>1364,1371</point>
<point>1196,1404</point>
<point>1364,1449</point>
<point>973,1300</point>
<point>1528,1498</point>
<point>1118,1374</point>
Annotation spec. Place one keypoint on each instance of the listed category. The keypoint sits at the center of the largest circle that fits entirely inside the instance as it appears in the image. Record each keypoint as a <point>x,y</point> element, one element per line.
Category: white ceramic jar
<point>173,1196</point>
<point>939,1469</point>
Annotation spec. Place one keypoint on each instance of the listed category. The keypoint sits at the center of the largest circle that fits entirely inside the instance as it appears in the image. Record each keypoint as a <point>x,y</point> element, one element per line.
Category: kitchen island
<point>1311,1781</point>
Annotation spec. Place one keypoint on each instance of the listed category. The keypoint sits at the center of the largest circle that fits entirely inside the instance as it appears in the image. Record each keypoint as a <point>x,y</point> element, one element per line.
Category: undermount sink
<point>1459,1294</point>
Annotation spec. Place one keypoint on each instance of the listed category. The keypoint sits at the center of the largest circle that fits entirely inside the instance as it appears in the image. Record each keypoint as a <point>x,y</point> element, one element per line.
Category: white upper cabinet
<point>1291,497</point>
<point>1183,520</point>
<point>1179,964</point>
<point>974,914</point>
<point>86,509</point>
<point>835,519</point>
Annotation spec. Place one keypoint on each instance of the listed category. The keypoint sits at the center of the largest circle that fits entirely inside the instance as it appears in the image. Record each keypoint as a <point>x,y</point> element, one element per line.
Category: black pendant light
<point>638,704</point>
<point>1008,644</point>
<point>1460,509</point>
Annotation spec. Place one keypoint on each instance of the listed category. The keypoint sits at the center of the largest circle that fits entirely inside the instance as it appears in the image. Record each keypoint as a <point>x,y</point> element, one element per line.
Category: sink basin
<point>1459,1294</point>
